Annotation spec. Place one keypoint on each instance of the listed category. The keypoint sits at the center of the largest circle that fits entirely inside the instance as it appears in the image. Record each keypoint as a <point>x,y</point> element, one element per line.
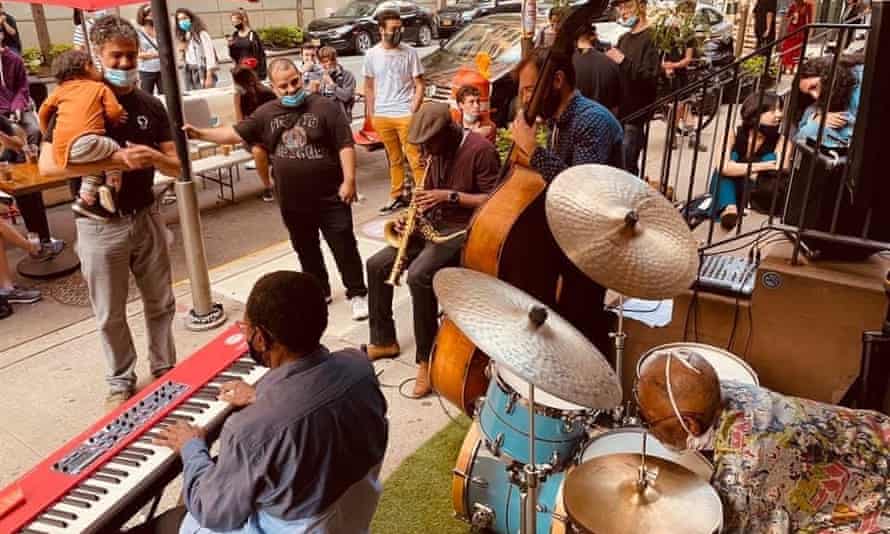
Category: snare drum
<point>484,491</point>
<point>503,418</point>
<point>630,440</point>
<point>727,365</point>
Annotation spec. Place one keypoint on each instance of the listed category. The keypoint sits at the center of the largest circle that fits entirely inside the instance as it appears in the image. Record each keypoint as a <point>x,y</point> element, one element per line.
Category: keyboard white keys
<point>122,477</point>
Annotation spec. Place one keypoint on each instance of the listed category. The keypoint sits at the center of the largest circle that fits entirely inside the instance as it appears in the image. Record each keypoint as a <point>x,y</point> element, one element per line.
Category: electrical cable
<point>400,386</point>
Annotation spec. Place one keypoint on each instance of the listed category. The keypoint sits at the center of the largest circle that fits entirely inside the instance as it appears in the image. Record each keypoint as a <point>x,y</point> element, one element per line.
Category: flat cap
<point>428,121</point>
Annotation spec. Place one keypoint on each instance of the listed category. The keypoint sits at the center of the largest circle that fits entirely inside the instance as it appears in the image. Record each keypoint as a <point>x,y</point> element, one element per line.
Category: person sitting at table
<point>15,95</point>
<point>250,94</point>
<point>9,291</point>
<point>13,141</point>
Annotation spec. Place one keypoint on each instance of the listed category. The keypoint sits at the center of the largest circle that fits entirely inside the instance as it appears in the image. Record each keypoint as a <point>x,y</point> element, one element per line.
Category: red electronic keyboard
<point>90,483</point>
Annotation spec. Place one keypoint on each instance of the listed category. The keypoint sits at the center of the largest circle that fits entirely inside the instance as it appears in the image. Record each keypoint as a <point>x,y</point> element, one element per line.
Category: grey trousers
<point>108,251</point>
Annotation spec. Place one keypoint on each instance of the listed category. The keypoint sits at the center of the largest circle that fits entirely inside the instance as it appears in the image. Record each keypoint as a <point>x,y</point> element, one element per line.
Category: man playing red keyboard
<point>304,453</point>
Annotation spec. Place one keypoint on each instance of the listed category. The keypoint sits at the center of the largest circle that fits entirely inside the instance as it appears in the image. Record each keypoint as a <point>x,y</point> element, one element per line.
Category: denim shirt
<point>586,132</point>
<point>303,457</point>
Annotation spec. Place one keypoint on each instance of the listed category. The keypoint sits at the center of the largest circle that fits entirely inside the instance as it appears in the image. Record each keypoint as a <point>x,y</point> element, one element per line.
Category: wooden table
<point>27,179</point>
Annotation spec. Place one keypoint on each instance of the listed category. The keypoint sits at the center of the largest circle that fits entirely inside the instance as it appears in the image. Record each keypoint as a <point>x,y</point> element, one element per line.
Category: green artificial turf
<point>417,496</point>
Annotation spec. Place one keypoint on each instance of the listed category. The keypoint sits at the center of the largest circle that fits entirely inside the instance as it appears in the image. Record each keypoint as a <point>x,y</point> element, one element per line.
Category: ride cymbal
<point>602,496</point>
<point>620,232</point>
<point>531,340</point>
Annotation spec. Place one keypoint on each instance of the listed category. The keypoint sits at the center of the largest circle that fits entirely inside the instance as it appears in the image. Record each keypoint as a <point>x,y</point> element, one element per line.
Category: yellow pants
<point>393,132</point>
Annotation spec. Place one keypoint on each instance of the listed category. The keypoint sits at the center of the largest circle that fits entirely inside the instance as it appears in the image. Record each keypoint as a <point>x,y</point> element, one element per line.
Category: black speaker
<point>833,193</point>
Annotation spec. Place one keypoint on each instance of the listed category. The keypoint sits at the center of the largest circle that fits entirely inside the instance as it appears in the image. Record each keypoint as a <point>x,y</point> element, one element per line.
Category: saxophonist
<point>461,171</point>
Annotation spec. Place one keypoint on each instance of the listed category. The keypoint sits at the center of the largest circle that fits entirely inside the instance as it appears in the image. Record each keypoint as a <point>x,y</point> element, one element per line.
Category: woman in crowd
<point>197,48</point>
<point>799,14</point>
<point>250,94</point>
<point>840,111</point>
<point>755,142</point>
<point>149,58</point>
<point>245,47</point>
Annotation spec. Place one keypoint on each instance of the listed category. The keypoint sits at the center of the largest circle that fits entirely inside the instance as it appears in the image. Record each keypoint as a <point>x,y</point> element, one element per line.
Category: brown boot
<point>377,352</point>
<point>422,386</point>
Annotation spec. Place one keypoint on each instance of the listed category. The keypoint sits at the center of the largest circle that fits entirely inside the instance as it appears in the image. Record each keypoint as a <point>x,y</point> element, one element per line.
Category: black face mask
<point>253,352</point>
<point>768,130</point>
<point>239,26</point>
<point>393,38</point>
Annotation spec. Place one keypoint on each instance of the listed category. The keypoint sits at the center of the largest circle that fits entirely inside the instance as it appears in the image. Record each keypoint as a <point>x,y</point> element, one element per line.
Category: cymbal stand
<point>646,476</point>
<point>619,336</point>
<point>528,523</point>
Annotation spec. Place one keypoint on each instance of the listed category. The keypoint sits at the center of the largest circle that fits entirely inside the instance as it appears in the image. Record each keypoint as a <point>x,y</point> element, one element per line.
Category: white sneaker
<point>359,308</point>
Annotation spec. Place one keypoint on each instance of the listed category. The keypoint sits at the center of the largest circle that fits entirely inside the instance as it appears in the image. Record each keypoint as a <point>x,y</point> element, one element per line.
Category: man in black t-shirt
<point>638,59</point>
<point>313,161</point>
<point>596,76</point>
<point>135,239</point>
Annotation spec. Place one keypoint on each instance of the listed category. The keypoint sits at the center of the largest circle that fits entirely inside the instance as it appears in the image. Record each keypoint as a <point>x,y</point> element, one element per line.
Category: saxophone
<point>414,222</point>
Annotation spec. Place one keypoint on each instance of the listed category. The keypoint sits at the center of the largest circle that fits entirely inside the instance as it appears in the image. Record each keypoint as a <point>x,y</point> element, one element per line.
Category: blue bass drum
<point>503,418</point>
<point>486,494</point>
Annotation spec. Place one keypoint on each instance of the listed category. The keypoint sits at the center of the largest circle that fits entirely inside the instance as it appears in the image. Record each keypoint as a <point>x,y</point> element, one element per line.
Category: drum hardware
<point>482,517</point>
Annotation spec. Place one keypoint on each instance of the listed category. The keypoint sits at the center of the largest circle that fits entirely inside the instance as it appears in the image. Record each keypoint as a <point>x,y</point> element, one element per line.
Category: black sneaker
<point>20,295</point>
<point>397,204</point>
<point>5,308</point>
<point>268,195</point>
<point>95,212</point>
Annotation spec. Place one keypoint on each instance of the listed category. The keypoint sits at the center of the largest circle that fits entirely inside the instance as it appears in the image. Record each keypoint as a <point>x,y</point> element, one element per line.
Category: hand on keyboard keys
<point>178,434</point>
<point>238,393</point>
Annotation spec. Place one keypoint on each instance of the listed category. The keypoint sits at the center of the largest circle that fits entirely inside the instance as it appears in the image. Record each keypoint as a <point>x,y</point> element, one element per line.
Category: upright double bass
<point>509,238</point>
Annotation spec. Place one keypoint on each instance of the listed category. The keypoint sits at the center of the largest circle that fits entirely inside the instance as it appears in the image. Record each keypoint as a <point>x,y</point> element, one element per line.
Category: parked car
<point>497,35</point>
<point>353,28</point>
<point>454,16</point>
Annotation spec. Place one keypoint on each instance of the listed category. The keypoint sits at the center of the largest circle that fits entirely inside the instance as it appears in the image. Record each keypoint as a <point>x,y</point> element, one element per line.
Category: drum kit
<point>550,449</point>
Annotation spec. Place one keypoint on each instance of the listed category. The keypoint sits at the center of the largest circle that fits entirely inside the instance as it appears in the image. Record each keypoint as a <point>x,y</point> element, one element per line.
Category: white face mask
<point>470,117</point>
<point>692,441</point>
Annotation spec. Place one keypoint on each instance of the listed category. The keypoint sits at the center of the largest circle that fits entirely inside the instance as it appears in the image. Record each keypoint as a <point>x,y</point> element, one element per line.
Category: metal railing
<point>712,100</point>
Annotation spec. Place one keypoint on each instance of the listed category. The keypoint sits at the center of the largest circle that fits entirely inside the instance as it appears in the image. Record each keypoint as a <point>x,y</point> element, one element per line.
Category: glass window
<point>355,9</point>
<point>500,41</point>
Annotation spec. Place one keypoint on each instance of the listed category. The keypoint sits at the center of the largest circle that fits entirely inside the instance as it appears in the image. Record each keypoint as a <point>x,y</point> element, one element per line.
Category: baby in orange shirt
<point>82,104</point>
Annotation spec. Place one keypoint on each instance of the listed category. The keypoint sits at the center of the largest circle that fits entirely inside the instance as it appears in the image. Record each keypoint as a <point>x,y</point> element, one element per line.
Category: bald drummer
<point>825,466</point>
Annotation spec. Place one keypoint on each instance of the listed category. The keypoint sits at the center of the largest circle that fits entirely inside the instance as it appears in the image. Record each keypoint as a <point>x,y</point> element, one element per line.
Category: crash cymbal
<point>620,232</point>
<point>528,338</point>
<point>602,496</point>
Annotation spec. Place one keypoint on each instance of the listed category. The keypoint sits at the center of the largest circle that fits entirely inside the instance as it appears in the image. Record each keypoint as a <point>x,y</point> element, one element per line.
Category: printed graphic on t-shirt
<point>296,142</point>
<point>396,65</point>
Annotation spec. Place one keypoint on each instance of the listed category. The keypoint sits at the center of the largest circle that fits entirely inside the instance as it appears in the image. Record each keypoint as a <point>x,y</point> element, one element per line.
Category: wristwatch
<point>454,197</point>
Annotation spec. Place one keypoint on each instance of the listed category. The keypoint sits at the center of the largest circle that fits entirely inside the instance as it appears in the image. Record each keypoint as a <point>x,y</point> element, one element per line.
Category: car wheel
<point>424,36</point>
<point>362,42</point>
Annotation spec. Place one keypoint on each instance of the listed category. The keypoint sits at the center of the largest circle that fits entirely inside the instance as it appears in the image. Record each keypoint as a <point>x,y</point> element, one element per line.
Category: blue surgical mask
<point>295,100</point>
<point>185,25</point>
<point>121,78</point>
<point>629,22</point>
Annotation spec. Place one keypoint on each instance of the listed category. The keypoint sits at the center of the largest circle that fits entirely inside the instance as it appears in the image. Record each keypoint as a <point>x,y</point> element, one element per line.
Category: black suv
<point>450,18</point>
<point>353,28</point>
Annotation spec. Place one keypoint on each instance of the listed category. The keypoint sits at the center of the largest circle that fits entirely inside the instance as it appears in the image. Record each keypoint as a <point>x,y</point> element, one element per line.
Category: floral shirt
<point>827,466</point>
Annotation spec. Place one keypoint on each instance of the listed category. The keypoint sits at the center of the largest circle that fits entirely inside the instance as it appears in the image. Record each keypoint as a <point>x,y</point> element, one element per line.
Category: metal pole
<point>529,517</point>
<point>204,314</point>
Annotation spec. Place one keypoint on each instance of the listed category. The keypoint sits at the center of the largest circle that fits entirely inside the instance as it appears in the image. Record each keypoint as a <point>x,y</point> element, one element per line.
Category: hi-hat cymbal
<point>527,337</point>
<point>620,232</point>
<point>601,495</point>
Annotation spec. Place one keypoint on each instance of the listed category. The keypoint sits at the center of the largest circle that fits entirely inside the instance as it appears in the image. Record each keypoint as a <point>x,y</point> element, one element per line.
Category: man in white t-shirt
<point>393,91</point>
